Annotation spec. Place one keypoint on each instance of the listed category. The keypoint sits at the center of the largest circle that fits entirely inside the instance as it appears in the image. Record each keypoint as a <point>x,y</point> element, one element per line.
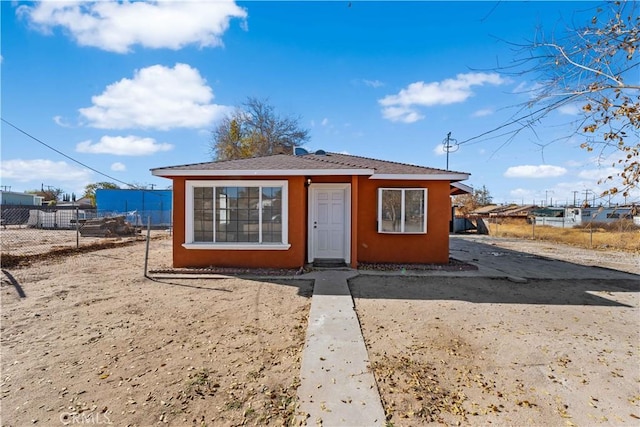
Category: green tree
<point>90,190</point>
<point>255,129</point>
<point>594,66</point>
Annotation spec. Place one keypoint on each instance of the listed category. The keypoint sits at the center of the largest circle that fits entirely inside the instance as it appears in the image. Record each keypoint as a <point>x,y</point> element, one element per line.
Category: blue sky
<point>125,87</point>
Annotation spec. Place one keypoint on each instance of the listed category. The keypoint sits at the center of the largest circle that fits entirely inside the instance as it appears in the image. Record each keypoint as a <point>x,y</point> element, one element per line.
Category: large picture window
<point>236,213</point>
<point>402,210</point>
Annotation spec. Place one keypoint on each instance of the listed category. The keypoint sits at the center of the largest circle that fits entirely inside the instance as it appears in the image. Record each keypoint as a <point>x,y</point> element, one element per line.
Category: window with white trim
<point>240,214</point>
<point>402,210</point>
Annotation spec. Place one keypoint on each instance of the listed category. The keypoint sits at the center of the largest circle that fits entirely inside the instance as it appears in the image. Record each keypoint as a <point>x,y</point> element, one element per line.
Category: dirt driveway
<point>526,340</point>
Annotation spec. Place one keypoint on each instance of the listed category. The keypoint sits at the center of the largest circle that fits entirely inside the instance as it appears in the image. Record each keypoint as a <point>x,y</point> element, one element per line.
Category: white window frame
<point>402,209</point>
<point>190,185</point>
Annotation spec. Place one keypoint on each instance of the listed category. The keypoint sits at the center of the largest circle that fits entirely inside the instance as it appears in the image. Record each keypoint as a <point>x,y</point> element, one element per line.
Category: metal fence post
<point>77,228</point>
<point>146,254</point>
<point>533,229</point>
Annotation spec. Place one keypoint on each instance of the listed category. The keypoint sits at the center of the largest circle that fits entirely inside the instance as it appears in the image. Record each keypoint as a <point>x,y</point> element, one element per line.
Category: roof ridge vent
<point>320,153</point>
<point>299,151</point>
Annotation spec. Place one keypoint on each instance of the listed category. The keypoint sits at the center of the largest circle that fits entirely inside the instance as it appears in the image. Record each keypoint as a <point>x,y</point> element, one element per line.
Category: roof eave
<point>167,173</point>
<point>458,188</point>
<point>453,176</point>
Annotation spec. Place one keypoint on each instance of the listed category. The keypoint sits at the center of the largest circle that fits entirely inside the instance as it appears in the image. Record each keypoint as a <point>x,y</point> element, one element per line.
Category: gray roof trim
<point>453,176</point>
<point>464,187</point>
<point>267,172</point>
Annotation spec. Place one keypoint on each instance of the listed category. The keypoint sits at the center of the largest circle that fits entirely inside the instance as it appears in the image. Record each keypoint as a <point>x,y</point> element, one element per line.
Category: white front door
<point>329,220</point>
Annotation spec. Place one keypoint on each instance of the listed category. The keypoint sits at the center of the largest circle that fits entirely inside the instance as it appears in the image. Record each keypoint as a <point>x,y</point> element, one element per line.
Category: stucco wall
<point>432,247</point>
<point>291,258</point>
<point>367,244</point>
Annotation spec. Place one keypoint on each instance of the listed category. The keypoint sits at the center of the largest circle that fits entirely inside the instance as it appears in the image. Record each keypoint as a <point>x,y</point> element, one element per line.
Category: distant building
<point>137,205</point>
<point>573,216</point>
<point>15,198</point>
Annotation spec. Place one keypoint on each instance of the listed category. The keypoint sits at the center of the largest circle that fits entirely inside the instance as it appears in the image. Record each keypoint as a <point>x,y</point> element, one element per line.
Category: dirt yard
<point>32,241</point>
<point>91,341</point>
<point>86,339</point>
<point>607,258</point>
<point>557,346</point>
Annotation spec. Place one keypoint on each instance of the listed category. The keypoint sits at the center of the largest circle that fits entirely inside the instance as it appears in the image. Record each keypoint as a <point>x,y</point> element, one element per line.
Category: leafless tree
<point>594,67</point>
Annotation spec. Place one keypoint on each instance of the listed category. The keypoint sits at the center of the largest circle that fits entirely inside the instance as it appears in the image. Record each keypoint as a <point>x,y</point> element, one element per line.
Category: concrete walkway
<point>337,388</point>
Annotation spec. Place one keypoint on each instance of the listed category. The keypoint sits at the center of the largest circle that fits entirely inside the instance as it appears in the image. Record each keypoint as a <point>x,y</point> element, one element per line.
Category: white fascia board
<point>463,187</point>
<point>270,172</point>
<point>423,177</point>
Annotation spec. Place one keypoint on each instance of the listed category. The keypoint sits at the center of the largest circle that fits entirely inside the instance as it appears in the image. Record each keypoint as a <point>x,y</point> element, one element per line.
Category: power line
<point>65,155</point>
<point>517,120</point>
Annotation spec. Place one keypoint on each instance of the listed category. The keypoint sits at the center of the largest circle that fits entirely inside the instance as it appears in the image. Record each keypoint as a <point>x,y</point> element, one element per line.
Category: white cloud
<point>373,83</point>
<point>157,97</point>
<point>521,193</point>
<point>401,114</point>
<point>596,173</point>
<point>118,167</point>
<point>569,110</point>
<point>582,180</point>
<point>401,107</point>
<point>366,82</point>
<point>61,122</point>
<point>438,150</point>
<point>482,113</point>
<point>123,146</point>
<point>531,90</point>
<point>535,171</point>
<point>117,26</point>
<point>325,121</point>
<point>42,170</point>
<point>600,167</point>
<point>573,163</point>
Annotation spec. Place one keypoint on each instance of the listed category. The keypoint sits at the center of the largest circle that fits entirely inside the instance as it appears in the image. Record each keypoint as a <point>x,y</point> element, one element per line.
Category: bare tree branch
<point>256,130</point>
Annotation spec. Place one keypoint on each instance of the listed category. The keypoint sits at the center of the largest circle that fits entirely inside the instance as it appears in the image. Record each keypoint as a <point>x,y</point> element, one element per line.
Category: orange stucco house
<point>283,211</point>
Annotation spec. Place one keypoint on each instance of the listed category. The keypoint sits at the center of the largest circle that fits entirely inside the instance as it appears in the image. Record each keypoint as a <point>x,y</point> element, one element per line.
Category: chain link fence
<point>29,233</point>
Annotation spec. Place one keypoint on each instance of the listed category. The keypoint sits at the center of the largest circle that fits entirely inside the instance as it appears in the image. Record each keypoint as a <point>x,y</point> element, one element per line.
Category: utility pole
<point>449,145</point>
<point>574,198</point>
<point>586,197</point>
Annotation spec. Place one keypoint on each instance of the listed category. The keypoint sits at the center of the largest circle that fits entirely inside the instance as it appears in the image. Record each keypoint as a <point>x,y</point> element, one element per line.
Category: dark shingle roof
<point>331,163</point>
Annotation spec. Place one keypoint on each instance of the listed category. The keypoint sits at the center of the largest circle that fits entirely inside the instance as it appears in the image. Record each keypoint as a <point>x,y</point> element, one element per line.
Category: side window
<point>402,210</point>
